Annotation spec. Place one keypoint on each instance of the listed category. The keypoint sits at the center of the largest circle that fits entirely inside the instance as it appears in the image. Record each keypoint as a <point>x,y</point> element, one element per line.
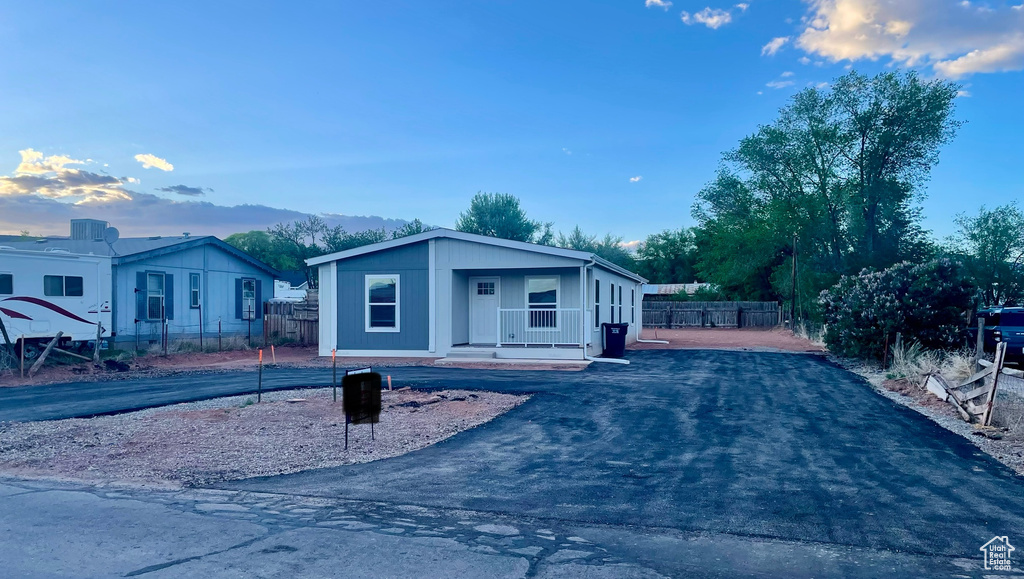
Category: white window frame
<point>195,299</point>
<point>620,304</point>
<point>249,313</point>
<point>398,302</point>
<point>162,295</point>
<point>558,300</point>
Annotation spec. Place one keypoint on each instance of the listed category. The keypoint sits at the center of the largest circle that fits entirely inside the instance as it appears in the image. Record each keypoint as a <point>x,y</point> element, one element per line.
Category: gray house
<point>447,293</point>
<point>189,283</point>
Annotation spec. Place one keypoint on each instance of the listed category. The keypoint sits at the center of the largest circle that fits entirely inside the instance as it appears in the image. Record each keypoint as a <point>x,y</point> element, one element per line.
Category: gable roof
<point>132,249</point>
<point>474,238</point>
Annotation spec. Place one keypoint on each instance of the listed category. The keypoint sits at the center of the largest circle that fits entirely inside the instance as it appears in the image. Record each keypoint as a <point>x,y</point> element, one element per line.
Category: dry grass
<point>812,333</point>
<point>912,362</point>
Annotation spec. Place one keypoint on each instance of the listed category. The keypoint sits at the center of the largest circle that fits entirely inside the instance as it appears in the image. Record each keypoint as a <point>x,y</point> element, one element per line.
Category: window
<point>59,285</point>
<point>6,284</point>
<point>383,303</point>
<point>485,288</point>
<point>632,306</point>
<point>155,296</point>
<point>542,301</point>
<point>193,291</point>
<point>248,298</point>
<point>597,303</point>
<point>620,303</point>
<point>611,302</point>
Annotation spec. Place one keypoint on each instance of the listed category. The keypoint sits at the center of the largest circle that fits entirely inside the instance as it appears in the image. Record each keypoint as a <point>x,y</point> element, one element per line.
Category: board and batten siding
<point>632,295</point>
<point>219,272</point>
<point>410,262</point>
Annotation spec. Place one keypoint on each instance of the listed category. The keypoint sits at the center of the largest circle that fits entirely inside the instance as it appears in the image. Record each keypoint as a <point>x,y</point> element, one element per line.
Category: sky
<point>218,117</point>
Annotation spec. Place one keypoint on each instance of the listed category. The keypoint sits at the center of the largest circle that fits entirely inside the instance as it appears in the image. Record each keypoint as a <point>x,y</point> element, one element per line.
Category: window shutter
<point>259,299</point>
<point>169,296</point>
<point>140,295</point>
<point>238,298</point>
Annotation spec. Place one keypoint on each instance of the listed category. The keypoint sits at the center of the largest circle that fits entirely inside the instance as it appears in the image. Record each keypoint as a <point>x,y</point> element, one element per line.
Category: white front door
<point>483,310</point>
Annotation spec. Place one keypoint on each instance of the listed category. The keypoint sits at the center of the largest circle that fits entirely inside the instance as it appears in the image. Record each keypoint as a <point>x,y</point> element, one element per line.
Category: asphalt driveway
<point>751,444</point>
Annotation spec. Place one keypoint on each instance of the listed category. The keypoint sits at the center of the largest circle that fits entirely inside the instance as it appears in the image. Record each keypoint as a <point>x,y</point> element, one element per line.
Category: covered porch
<point>518,313</point>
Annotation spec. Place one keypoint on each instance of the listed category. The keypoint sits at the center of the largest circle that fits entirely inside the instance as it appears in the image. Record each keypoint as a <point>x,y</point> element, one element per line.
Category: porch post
<point>583,309</point>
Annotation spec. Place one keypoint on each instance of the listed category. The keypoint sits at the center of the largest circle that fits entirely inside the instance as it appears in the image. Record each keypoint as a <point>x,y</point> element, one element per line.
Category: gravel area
<point>233,438</point>
<point>741,339</point>
<point>1009,449</point>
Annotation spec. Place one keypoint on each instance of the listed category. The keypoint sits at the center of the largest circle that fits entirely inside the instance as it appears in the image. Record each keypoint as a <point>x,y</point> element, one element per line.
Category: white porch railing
<point>539,326</point>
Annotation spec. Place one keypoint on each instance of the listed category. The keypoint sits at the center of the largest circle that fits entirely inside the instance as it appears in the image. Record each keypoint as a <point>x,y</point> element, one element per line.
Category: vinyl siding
<point>411,263</point>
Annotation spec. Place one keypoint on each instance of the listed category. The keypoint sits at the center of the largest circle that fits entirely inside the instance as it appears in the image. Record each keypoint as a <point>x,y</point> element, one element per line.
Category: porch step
<point>471,354</point>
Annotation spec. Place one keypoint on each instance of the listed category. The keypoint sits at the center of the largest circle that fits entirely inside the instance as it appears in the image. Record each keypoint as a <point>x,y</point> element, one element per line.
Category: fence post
<point>979,346</point>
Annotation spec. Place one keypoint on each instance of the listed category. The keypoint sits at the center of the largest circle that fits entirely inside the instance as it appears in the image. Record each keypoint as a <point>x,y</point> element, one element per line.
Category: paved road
<point>683,463</point>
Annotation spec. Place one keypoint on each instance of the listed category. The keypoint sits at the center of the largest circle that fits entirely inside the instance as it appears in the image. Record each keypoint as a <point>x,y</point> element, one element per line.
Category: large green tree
<point>501,215</point>
<point>668,257</point>
<point>840,171</point>
<point>609,247</point>
<point>991,244</point>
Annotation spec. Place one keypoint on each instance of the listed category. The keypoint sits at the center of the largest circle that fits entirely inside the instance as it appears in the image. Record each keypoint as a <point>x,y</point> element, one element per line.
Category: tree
<point>411,228</point>
<point>841,169</point>
<point>668,257</point>
<point>991,244</point>
<point>498,215</point>
<point>609,248</point>
<point>266,248</point>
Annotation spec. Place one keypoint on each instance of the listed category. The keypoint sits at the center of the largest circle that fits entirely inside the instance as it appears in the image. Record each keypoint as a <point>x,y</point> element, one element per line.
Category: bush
<point>928,303</point>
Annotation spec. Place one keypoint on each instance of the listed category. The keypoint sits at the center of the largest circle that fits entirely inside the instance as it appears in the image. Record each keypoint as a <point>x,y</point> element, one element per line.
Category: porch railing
<point>539,326</point>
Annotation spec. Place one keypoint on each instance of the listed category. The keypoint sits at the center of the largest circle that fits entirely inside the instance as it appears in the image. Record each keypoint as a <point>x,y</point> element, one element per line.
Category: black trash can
<point>614,339</point>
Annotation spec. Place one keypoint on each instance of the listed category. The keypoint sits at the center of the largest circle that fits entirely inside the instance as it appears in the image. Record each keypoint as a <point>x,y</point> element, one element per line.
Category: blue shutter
<point>169,296</point>
<point>140,295</point>
<point>238,298</point>
<point>259,299</point>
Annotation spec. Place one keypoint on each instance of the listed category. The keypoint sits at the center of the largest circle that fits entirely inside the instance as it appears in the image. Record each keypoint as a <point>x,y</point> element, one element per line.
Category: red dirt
<point>726,339</point>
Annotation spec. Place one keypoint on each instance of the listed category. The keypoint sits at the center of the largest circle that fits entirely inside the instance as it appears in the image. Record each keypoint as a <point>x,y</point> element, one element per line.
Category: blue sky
<point>406,109</point>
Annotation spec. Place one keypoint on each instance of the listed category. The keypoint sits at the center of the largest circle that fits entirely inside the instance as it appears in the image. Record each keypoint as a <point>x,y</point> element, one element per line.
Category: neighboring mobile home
<point>447,293</point>
<point>184,282</point>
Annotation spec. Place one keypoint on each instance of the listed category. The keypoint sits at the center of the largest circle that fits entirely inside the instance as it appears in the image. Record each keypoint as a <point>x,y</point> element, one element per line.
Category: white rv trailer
<point>45,292</point>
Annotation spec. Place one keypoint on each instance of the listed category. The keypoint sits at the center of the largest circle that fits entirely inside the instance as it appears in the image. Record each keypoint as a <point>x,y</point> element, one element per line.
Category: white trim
<point>526,300</point>
<point>584,321</point>
<point>328,280</point>
<point>473,280</point>
<point>384,354</point>
<point>398,302</point>
<point>484,239</point>
<point>432,296</point>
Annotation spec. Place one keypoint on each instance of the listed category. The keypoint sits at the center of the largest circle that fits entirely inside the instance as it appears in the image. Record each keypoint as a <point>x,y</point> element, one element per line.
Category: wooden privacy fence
<point>666,314</point>
<point>296,322</point>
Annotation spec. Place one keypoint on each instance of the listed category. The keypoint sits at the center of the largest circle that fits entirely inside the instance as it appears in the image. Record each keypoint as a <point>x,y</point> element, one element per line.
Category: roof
<point>132,249</point>
<point>474,238</point>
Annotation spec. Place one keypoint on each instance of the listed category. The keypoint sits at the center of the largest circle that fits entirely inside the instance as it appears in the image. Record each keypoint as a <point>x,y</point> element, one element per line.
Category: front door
<point>483,310</point>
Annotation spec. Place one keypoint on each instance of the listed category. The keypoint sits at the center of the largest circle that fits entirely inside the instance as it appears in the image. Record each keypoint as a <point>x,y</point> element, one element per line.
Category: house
<point>448,293</point>
<point>663,291</point>
<point>191,284</point>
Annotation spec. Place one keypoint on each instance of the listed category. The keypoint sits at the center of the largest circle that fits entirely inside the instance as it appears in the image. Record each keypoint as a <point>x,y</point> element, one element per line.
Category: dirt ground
<point>754,339</point>
<point>233,438</point>
<point>155,365</point>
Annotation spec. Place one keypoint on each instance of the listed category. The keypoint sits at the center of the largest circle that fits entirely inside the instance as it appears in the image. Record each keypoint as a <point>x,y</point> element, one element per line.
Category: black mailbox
<point>361,397</point>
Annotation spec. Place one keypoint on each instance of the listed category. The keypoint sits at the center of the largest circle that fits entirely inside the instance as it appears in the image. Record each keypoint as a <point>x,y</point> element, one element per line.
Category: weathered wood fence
<point>295,322</point>
<point>668,314</point>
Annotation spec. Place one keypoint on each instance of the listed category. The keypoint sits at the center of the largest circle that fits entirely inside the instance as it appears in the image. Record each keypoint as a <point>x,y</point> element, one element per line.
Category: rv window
<point>194,290</point>
<point>53,285</point>
<point>248,299</point>
<point>6,284</point>
<point>155,296</point>
<point>597,303</point>
<point>383,299</point>
<point>73,286</point>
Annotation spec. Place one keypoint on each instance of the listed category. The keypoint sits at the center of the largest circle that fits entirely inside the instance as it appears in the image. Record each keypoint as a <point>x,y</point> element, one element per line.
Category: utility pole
<point>792,290</point>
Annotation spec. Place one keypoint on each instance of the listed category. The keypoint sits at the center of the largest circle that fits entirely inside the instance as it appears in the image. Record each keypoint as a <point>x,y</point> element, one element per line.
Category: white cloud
<point>743,6</point>
<point>777,84</point>
<point>954,38</point>
<point>153,162</point>
<point>34,163</point>
<point>665,4</point>
<point>636,179</point>
<point>713,18</point>
<point>566,151</point>
<point>804,60</point>
<point>774,45</point>
<point>786,74</point>
<point>630,246</point>
<point>963,94</point>
<point>51,177</point>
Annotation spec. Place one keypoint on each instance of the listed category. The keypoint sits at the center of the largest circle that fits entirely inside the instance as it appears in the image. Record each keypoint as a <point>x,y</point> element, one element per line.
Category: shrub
<point>928,303</point>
